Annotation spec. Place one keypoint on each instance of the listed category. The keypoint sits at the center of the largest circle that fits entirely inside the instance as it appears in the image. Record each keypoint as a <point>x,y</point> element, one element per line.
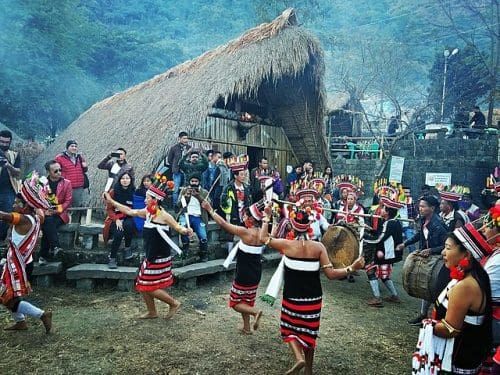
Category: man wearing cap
<point>191,214</point>
<point>73,168</point>
<point>10,170</point>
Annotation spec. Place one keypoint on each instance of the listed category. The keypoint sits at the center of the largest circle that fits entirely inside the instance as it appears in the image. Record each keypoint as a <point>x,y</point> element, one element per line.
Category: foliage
<point>466,82</point>
<point>60,57</point>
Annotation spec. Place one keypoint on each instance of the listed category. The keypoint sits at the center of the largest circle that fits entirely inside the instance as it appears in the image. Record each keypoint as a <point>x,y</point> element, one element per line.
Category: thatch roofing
<point>277,62</point>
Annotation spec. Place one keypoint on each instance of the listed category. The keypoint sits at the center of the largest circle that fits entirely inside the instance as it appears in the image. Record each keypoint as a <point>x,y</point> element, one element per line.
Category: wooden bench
<point>90,235</point>
<point>44,274</point>
<point>86,275</point>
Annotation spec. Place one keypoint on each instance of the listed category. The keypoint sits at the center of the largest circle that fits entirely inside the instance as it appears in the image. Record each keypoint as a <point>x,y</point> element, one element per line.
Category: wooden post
<point>88,217</point>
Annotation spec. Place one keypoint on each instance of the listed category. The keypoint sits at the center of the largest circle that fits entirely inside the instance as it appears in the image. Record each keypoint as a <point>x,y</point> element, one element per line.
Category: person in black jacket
<point>430,236</point>
<point>386,241</point>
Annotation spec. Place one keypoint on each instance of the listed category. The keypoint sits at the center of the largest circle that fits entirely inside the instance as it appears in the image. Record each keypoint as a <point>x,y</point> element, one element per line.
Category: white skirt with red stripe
<point>154,275</point>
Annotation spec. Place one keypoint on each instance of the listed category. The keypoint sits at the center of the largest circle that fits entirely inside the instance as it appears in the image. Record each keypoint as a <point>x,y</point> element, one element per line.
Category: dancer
<point>248,263</point>
<point>155,272</point>
<point>25,219</point>
<point>302,294</point>
<point>390,235</point>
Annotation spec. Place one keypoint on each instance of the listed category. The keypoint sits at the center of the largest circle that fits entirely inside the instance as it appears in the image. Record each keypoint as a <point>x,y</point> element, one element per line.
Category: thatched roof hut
<point>277,66</point>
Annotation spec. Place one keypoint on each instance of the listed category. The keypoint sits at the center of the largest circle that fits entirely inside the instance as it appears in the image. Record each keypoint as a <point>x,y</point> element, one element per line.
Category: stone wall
<point>469,161</point>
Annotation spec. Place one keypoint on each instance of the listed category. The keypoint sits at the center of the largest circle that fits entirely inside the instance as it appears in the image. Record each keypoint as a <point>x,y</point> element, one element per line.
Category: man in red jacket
<point>60,198</point>
<point>73,168</point>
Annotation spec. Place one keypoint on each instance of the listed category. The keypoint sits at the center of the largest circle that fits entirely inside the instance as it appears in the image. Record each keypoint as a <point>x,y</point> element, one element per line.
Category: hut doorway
<point>254,156</point>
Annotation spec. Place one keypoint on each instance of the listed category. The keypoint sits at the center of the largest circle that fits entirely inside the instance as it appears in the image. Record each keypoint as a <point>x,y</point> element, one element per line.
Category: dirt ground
<point>98,333</point>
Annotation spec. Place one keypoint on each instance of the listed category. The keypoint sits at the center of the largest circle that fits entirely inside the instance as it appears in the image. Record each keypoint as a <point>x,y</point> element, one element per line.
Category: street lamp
<point>447,54</point>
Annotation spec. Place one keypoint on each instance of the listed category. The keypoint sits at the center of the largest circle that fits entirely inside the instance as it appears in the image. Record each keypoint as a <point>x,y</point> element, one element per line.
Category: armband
<point>16,218</point>
<point>450,328</point>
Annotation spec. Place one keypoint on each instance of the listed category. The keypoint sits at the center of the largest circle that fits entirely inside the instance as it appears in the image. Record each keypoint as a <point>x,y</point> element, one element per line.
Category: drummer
<point>430,236</point>
<point>385,254</point>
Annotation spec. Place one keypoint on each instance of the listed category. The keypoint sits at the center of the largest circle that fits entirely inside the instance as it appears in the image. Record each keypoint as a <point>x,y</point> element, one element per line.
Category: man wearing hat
<point>236,196</point>
<point>386,241</point>
<point>191,215</point>
<point>73,168</point>
<point>449,211</point>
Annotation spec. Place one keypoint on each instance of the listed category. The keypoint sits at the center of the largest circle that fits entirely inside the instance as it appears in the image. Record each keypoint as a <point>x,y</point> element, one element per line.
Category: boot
<point>46,319</point>
<point>204,251</point>
<point>22,325</point>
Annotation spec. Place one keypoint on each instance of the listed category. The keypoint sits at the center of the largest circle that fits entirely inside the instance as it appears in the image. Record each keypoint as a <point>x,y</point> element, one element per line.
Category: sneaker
<point>112,263</point>
<point>56,251</point>
<point>42,261</point>
<point>127,253</point>
<point>375,302</point>
<point>417,320</point>
<point>392,299</point>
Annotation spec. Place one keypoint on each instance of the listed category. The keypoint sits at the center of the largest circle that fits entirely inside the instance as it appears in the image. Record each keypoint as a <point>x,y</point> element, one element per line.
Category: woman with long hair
<point>302,294</point>
<point>462,313</point>
<point>118,225</point>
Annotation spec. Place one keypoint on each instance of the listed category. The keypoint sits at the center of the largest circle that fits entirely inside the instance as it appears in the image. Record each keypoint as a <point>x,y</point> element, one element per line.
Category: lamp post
<point>447,54</point>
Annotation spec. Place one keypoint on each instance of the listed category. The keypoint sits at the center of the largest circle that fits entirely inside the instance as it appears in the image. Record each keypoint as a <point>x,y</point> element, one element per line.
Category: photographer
<point>10,163</point>
<point>119,157</point>
<point>190,198</point>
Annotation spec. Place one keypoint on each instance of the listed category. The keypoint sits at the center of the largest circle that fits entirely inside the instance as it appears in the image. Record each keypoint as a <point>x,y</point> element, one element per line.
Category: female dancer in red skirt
<point>302,294</point>
<point>155,272</point>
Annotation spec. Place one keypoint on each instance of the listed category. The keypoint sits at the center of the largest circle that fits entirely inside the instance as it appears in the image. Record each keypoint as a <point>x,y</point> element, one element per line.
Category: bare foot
<point>244,331</point>
<point>173,310</point>
<point>148,316</point>
<point>257,320</point>
<point>299,365</point>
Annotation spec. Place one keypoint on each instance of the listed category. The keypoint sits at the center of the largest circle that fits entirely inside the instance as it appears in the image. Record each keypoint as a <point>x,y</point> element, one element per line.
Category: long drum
<point>342,245</point>
<point>425,277</point>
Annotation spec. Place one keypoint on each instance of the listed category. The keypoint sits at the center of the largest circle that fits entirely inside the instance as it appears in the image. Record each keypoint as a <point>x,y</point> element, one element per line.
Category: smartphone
<point>115,154</point>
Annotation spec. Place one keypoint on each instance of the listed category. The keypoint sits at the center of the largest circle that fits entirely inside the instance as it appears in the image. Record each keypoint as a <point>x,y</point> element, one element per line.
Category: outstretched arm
<point>124,209</point>
<point>234,229</point>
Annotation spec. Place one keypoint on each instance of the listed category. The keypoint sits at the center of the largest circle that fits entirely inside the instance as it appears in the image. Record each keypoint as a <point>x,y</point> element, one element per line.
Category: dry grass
<point>97,333</point>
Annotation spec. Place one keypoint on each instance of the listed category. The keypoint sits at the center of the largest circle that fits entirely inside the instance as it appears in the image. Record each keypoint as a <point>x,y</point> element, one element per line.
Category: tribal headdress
<point>352,183</point>
<point>160,186</point>
<point>452,193</point>
<point>237,163</point>
<point>35,190</point>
